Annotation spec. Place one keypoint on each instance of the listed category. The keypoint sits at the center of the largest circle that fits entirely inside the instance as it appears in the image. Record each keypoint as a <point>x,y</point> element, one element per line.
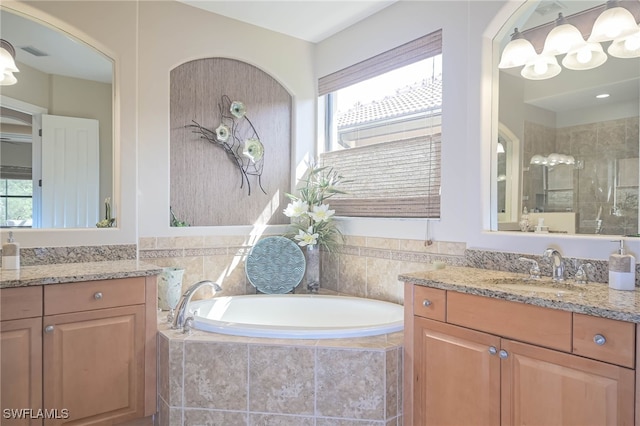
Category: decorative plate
<point>275,265</point>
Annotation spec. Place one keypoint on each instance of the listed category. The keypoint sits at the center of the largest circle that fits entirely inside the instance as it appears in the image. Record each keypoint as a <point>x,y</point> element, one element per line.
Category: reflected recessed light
<point>602,96</point>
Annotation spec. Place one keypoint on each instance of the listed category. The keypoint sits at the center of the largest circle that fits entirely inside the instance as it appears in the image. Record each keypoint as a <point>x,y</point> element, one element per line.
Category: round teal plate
<point>275,265</point>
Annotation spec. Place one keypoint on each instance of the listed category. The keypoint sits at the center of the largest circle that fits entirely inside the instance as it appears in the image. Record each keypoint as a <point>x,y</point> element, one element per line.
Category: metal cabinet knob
<point>426,303</point>
<point>48,329</point>
<point>599,339</point>
<point>98,295</point>
<point>503,354</point>
<point>492,350</point>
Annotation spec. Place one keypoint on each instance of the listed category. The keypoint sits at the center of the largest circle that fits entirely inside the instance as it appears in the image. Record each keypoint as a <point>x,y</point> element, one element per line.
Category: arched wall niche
<point>206,185</point>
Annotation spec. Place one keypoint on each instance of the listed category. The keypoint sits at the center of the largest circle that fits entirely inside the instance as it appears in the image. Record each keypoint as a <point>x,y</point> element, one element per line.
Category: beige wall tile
<point>180,242</point>
<point>170,370</point>
<point>418,245</point>
<point>215,377</point>
<point>281,379</point>
<point>168,416</point>
<point>382,279</point>
<point>277,420</point>
<point>228,271</point>
<point>351,422</point>
<point>147,243</point>
<point>330,271</point>
<point>350,384</point>
<point>392,383</point>
<point>383,243</point>
<point>214,418</point>
<point>228,240</point>
<point>451,248</point>
<point>352,278</point>
<point>354,240</point>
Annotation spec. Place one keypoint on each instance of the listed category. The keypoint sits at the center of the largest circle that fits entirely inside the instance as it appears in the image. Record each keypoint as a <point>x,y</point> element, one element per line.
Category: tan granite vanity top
<point>75,272</point>
<point>595,299</point>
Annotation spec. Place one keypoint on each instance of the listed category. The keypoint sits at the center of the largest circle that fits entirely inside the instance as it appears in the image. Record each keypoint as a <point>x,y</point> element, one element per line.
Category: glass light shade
<point>538,159</point>
<point>7,79</point>
<point>7,64</point>
<point>500,148</point>
<point>541,67</point>
<point>613,23</point>
<point>626,47</point>
<point>585,57</point>
<point>518,52</point>
<point>562,39</point>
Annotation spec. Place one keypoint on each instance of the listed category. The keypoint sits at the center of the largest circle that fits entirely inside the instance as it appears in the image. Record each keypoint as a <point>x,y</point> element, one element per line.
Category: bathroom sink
<point>538,286</point>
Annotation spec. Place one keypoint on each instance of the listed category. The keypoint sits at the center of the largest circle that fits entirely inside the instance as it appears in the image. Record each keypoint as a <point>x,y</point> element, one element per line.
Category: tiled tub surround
<point>364,267</point>
<point>208,378</point>
<point>55,255</point>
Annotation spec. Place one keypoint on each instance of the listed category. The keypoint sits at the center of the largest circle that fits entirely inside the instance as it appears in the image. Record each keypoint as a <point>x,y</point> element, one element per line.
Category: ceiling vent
<point>550,6</point>
<point>34,51</point>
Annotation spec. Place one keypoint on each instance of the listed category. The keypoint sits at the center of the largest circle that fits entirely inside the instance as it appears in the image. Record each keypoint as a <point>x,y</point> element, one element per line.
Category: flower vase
<point>312,272</point>
<point>169,288</point>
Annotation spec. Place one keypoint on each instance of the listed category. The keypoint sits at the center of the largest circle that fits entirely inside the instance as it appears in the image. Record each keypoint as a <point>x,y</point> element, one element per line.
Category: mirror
<point>62,178</point>
<point>577,171</point>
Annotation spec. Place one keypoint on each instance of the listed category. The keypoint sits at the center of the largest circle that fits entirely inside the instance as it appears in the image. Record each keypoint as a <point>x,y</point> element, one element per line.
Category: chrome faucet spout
<point>183,304</point>
<point>557,264</point>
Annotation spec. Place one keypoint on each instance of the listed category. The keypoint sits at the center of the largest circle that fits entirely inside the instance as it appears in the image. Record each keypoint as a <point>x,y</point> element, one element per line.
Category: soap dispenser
<point>11,254</point>
<point>622,269</point>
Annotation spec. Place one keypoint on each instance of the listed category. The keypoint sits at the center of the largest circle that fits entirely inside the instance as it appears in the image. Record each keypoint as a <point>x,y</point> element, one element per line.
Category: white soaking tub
<point>297,316</point>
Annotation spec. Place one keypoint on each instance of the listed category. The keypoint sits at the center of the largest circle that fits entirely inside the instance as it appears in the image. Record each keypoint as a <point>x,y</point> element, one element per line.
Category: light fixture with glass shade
<point>7,64</point>
<point>585,57</point>
<point>562,38</point>
<point>614,22</point>
<point>541,67</point>
<point>517,52</point>
<point>626,47</point>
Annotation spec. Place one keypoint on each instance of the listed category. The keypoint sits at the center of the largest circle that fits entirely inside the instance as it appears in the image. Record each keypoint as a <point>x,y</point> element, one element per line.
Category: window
<point>16,208</point>
<point>382,121</point>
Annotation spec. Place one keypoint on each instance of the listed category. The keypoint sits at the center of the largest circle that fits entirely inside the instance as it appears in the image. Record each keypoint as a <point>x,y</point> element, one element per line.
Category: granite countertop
<point>75,272</point>
<point>595,299</point>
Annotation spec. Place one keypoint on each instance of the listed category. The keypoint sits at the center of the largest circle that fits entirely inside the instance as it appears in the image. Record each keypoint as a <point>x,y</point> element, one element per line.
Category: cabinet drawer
<point>86,296</point>
<point>518,321</point>
<point>429,302</point>
<point>20,302</point>
<point>604,339</point>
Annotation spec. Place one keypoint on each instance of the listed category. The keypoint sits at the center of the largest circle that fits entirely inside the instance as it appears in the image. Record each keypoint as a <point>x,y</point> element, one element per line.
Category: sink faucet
<point>557,265</point>
<point>181,314</point>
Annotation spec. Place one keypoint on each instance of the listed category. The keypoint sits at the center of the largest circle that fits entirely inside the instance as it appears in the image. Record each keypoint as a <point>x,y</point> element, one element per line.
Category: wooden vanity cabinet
<point>493,362</point>
<point>96,345</point>
<point>20,353</point>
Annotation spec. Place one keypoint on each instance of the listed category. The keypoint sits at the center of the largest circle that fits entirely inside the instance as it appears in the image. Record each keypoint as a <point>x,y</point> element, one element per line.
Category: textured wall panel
<point>205,183</point>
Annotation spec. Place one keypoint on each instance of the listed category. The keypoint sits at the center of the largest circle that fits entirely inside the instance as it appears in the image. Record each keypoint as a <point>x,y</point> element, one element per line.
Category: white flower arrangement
<point>312,219</point>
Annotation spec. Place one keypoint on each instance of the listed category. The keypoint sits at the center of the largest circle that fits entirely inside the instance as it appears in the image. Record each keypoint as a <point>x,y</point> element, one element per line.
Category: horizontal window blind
<point>15,172</point>
<point>391,179</point>
<point>408,53</point>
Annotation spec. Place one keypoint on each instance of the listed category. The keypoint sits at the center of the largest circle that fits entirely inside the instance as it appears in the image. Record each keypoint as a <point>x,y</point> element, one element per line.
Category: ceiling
<point>310,20</point>
<point>63,55</point>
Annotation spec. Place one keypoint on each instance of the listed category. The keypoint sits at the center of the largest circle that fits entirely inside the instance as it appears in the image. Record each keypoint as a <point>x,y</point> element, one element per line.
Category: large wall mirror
<point>62,176</point>
<point>566,148</point>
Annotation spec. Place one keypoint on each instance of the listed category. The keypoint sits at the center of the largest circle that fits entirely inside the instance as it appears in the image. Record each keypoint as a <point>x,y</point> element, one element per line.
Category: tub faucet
<point>181,314</point>
<point>557,264</point>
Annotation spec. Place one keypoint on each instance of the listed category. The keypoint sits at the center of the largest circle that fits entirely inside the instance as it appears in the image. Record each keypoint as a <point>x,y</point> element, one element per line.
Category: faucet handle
<point>581,274</point>
<point>534,268</point>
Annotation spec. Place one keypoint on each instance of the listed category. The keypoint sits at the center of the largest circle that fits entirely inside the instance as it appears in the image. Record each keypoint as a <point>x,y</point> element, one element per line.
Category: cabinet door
<point>457,376</point>
<point>94,365</point>
<point>546,387</point>
<point>21,371</point>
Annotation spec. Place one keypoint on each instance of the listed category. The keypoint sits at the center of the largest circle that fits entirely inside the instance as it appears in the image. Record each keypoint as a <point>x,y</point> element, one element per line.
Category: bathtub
<point>297,316</point>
